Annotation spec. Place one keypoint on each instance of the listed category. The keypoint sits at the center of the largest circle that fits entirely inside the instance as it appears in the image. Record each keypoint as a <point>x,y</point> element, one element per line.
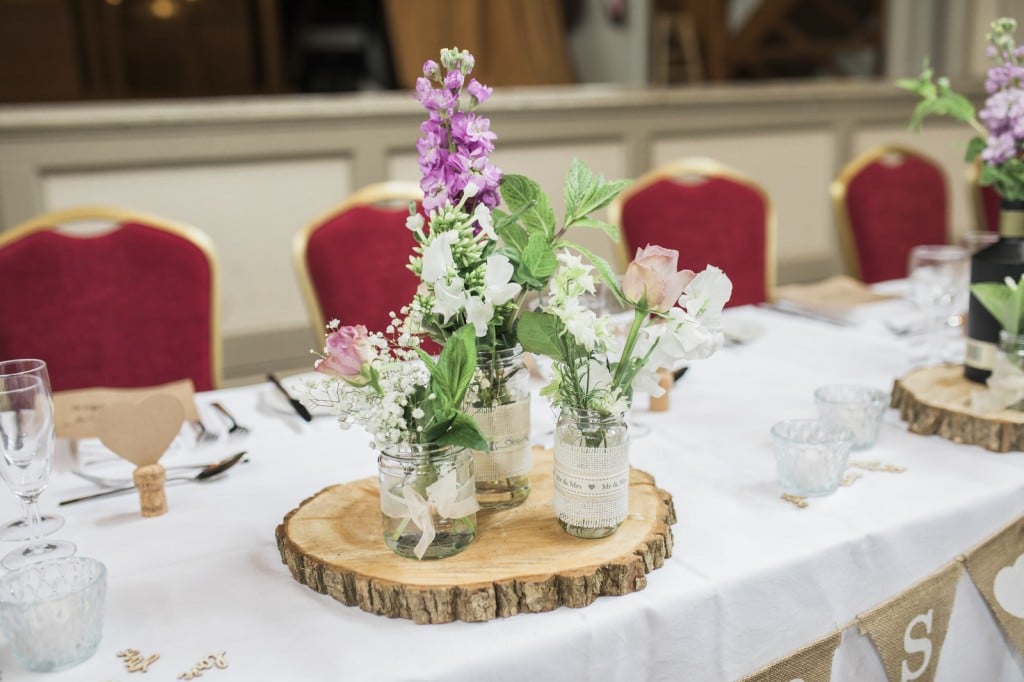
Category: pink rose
<point>348,348</point>
<point>653,273</point>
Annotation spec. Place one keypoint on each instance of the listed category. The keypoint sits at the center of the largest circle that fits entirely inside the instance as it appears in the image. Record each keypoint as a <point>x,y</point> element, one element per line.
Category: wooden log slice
<point>937,400</point>
<point>521,561</point>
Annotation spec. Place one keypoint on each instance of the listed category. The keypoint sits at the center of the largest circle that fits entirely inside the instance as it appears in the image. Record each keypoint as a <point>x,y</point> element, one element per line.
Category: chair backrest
<point>135,305</point>
<point>887,201</point>
<point>351,262</point>
<point>710,214</point>
<point>985,200</point>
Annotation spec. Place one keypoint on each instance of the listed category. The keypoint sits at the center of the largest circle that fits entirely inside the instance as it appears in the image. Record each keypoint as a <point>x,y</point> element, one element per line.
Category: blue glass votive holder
<point>811,455</point>
<point>858,408</point>
<point>52,612</point>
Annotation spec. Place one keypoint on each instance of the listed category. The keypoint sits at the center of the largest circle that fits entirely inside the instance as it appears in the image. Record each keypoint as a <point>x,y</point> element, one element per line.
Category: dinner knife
<point>299,408</point>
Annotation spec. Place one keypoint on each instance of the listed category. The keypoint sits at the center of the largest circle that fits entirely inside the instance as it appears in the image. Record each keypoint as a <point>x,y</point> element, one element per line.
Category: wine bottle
<point>994,263</point>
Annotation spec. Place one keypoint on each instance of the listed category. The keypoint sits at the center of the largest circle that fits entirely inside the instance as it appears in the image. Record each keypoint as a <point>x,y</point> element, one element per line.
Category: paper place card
<point>75,412</point>
<point>837,293</point>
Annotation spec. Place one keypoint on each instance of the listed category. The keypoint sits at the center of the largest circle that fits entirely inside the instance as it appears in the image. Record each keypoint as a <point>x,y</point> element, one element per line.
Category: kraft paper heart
<point>141,433</point>
<point>1009,588</point>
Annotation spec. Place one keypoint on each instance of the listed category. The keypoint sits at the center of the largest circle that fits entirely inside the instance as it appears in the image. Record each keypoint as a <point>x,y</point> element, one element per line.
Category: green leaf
<point>542,333</point>
<point>514,236</point>
<point>577,186</point>
<point>997,299</point>
<point>611,230</point>
<point>602,194</point>
<point>525,198</point>
<point>456,365</point>
<point>539,259</point>
<point>974,148</point>
<point>463,432</point>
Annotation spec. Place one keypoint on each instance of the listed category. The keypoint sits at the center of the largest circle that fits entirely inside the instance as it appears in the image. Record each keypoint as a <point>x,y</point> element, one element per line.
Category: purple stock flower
<point>454,144</point>
<point>478,91</point>
<point>453,81</point>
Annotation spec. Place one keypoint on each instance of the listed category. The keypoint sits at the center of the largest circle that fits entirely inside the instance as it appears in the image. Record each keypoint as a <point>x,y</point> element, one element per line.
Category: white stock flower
<point>498,286</point>
<point>582,326</point>
<point>449,298</point>
<point>706,295</point>
<point>478,314</point>
<point>437,256</point>
<point>482,217</point>
<point>414,222</point>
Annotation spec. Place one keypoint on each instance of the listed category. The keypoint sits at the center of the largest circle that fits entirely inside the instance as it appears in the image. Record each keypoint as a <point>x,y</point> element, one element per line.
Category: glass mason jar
<point>1011,347</point>
<point>427,501</point>
<point>499,401</point>
<point>591,478</point>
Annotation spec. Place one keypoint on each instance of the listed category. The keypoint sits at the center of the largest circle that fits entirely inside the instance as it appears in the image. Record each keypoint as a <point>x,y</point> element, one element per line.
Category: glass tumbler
<point>858,408</point>
<point>811,456</point>
<point>52,612</point>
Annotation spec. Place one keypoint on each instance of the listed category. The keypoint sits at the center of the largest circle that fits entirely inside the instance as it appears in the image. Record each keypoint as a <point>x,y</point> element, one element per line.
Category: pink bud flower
<point>653,275</point>
<point>348,349</point>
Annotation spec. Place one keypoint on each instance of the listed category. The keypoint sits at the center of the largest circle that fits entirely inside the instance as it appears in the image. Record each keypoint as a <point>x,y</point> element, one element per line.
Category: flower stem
<point>627,351</point>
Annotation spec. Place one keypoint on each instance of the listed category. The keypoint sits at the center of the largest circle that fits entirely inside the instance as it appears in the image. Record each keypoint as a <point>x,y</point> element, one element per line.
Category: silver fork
<point>234,428</point>
<point>203,434</point>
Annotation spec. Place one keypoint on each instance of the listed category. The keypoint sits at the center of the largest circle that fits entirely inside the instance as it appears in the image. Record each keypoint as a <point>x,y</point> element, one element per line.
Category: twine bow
<point>1005,387</point>
<point>445,497</point>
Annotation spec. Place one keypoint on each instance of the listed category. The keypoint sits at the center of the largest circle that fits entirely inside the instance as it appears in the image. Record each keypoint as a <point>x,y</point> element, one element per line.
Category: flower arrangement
<point>398,393</point>
<point>590,371</point>
<point>999,125</point>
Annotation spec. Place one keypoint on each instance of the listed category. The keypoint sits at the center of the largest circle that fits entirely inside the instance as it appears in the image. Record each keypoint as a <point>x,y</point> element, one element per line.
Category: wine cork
<point>149,479</point>
<point>665,381</point>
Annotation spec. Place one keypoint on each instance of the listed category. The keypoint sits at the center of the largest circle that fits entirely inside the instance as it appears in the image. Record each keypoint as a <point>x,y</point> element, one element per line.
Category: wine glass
<point>18,530</point>
<point>26,455</point>
<point>939,284</point>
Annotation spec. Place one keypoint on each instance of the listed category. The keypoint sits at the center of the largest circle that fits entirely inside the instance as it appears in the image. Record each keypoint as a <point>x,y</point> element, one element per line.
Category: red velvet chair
<point>351,262</point>
<point>887,201</point>
<point>711,215</point>
<point>133,305</point>
<point>984,200</point>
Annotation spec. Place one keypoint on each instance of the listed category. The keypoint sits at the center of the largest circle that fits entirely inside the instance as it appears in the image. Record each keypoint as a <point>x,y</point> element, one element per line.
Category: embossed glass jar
<point>427,500</point>
<point>499,401</point>
<point>591,478</point>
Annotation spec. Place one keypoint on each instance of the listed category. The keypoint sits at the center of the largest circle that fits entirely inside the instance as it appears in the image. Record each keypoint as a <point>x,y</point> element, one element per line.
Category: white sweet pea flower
<point>449,298</point>
<point>598,375</point>
<point>683,337</point>
<point>478,314</point>
<point>706,295</point>
<point>498,286</point>
<point>646,381</point>
<point>437,256</point>
<point>414,222</point>
<point>482,217</point>
<point>582,326</point>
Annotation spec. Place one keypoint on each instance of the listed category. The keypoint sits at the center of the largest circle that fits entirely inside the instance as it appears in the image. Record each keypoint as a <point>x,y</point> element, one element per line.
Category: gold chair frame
<point>703,168</point>
<point>837,189</point>
<point>115,215</point>
<point>370,195</point>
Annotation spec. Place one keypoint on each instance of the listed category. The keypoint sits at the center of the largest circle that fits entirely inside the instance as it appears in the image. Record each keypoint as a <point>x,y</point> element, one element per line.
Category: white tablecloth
<point>751,579</point>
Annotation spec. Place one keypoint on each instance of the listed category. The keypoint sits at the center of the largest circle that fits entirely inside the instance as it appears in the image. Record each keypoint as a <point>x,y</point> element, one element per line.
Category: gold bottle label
<point>1011,223</point>
<point>980,354</point>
